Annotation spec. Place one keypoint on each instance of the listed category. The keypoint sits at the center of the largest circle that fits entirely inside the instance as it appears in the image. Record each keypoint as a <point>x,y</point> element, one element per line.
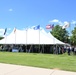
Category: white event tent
<point>55,40</point>
<point>30,36</point>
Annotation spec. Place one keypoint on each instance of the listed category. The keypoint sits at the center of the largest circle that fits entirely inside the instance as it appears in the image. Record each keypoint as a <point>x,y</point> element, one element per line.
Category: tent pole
<point>39,39</point>
<point>5,39</point>
<point>15,35</point>
<point>43,48</point>
<point>26,40</point>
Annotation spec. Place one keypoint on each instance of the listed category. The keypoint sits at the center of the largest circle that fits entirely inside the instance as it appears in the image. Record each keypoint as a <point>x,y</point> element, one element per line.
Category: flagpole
<point>53,38</point>
<point>39,39</point>
<point>15,35</point>
<point>26,39</point>
<point>5,38</point>
<point>70,32</point>
<point>38,29</point>
<point>15,38</point>
<point>5,34</point>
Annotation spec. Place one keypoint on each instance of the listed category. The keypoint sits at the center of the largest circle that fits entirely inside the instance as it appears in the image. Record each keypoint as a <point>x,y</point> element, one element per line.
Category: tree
<point>73,37</point>
<point>1,37</point>
<point>60,33</point>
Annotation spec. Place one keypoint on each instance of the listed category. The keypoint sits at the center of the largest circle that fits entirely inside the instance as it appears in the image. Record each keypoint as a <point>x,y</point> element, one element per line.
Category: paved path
<point>8,69</point>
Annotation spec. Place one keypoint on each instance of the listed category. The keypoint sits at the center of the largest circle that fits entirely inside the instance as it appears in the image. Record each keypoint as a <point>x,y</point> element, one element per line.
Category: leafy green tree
<point>60,33</point>
<point>1,37</point>
<point>73,37</point>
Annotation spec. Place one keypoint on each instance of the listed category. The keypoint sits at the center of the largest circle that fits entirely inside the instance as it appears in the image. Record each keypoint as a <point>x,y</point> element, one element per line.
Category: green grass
<point>51,61</point>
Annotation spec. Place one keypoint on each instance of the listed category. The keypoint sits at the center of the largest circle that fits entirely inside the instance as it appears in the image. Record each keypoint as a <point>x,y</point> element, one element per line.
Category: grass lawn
<point>51,61</point>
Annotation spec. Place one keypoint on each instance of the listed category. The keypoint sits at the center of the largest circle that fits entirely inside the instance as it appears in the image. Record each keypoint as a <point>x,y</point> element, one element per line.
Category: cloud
<point>73,22</point>
<point>60,23</point>
<point>10,9</point>
<point>66,22</point>
<point>9,28</point>
<point>2,31</point>
<point>55,20</point>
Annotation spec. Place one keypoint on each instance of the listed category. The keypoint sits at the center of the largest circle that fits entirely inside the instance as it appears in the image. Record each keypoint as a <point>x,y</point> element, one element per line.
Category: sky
<point>23,14</point>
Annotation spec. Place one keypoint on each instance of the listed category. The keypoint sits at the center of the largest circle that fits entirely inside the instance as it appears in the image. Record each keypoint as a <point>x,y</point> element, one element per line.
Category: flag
<point>14,30</point>
<point>49,26</point>
<point>5,31</point>
<point>52,26</point>
<point>66,25</point>
<point>36,27</point>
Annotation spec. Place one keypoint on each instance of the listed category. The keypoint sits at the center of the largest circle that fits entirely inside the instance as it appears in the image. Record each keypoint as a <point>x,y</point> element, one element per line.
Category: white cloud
<point>10,9</point>
<point>65,22</point>
<point>23,28</point>
<point>9,28</point>
<point>55,20</point>
<point>60,23</point>
<point>73,22</point>
<point>2,31</point>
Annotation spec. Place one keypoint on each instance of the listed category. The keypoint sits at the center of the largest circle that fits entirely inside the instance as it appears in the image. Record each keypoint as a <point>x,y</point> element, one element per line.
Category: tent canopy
<point>30,36</point>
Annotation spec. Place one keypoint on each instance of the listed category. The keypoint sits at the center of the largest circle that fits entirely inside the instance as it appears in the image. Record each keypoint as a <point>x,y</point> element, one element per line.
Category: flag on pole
<point>52,26</point>
<point>49,26</point>
<point>15,34</point>
<point>66,25</point>
<point>36,27</point>
<point>5,31</point>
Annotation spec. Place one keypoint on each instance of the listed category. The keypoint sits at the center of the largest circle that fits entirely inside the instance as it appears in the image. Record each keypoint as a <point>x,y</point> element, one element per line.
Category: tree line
<point>63,35</point>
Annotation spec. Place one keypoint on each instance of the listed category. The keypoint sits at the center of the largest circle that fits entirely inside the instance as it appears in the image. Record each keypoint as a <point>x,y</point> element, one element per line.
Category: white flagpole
<point>39,39</point>
<point>5,34</point>
<point>5,38</point>
<point>70,32</point>
<point>15,35</point>
<point>15,38</point>
<point>53,38</point>
<point>26,39</point>
<point>38,29</point>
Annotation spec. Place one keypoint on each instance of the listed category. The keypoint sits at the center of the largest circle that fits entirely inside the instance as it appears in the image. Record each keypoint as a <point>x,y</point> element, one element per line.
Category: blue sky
<point>28,13</point>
